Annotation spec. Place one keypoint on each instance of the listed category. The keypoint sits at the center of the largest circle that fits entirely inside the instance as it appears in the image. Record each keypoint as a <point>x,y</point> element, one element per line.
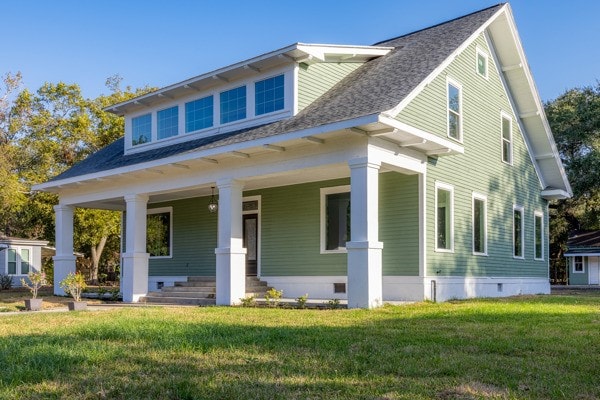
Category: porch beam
<point>64,260</point>
<point>134,283</point>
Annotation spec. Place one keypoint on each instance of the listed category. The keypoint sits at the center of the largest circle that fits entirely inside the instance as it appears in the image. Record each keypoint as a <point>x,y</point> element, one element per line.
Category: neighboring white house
<point>19,256</point>
<point>419,167</point>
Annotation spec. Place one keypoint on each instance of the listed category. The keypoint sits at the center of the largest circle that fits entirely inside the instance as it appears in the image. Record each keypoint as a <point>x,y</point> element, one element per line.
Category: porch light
<point>212,203</point>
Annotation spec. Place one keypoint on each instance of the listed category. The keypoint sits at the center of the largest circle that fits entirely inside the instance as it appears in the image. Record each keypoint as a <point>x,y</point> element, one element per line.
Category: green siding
<point>316,79</point>
<point>479,170</point>
<point>194,240</point>
<point>578,278</point>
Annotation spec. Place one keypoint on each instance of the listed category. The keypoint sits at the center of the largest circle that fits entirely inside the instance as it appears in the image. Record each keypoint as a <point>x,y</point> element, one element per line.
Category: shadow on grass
<point>511,348</point>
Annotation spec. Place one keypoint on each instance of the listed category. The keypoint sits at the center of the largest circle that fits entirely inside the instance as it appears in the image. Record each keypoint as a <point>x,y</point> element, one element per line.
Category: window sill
<point>444,250</point>
<point>480,254</point>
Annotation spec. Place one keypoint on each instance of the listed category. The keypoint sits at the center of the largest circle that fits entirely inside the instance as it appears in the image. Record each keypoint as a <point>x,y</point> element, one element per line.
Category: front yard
<point>525,347</point>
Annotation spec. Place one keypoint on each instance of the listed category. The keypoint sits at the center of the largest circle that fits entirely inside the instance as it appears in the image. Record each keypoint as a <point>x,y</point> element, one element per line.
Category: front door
<point>251,243</point>
<point>594,270</point>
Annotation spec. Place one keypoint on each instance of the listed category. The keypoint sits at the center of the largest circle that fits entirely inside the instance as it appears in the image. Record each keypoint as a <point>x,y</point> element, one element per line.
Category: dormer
<point>261,90</point>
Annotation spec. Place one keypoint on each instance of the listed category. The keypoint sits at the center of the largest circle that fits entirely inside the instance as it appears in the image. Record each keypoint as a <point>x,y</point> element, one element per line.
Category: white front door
<point>594,270</point>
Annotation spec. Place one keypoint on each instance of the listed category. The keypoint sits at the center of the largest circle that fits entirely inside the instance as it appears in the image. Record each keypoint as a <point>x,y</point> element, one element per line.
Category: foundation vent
<point>339,288</point>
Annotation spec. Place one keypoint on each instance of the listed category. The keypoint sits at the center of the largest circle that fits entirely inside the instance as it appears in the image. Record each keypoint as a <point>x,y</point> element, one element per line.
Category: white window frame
<point>538,214</point>
<point>450,81</point>
<point>482,197</point>
<point>19,260</point>
<point>582,265</point>
<point>162,210</point>
<point>521,209</point>
<point>504,115</point>
<point>480,52</point>
<point>449,188</point>
<point>323,217</point>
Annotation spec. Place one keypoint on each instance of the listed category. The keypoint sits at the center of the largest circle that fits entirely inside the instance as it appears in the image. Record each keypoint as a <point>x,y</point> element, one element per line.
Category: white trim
<point>455,287</point>
<point>423,224</point>
<point>596,254</point>
<point>19,260</point>
<point>163,210</point>
<point>449,188</point>
<point>257,198</point>
<point>480,52</point>
<point>538,214</point>
<point>456,84</point>
<point>582,265</point>
<point>521,209</point>
<point>323,202</point>
<point>482,197</point>
<point>504,115</point>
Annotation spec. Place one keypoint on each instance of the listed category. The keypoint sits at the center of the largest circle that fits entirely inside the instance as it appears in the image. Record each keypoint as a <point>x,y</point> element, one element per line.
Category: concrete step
<point>196,284</point>
<point>192,295</point>
<point>179,301</point>
<point>189,289</point>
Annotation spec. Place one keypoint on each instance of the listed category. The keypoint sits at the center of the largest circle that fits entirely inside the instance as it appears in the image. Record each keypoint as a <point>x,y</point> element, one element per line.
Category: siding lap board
<point>314,80</point>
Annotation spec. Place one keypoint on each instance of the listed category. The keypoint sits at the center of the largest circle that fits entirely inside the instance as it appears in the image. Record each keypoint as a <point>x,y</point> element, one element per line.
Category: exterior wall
<point>578,278</point>
<point>36,262</point>
<point>480,169</point>
<point>316,79</point>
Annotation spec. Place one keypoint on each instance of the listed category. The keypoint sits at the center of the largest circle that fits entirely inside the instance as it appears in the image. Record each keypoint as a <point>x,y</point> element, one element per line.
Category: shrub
<point>5,282</point>
<point>273,296</point>
<point>74,284</point>
<point>301,301</point>
<point>248,301</point>
<point>334,304</point>
<point>36,281</point>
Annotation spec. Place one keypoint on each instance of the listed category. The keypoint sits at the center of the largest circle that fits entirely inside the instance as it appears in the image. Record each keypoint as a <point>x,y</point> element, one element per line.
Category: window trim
<point>450,81</point>
<point>582,265</point>
<point>482,197</point>
<point>152,123</point>
<point>520,209</point>
<point>450,188</point>
<point>479,51</point>
<point>324,191</point>
<point>162,210</point>
<point>538,214</point>
<point>504,115</point>
<point>18,249</point>
<point>185,115</point>
<point>158,111</point>
<point>246,95</point>
<point>254,82</point>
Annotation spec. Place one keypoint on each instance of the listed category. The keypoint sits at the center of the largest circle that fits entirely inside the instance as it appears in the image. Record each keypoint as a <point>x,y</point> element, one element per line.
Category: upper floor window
<point>141,129</point>
<point>479,224</point>
<point>335,218</point>
<point>578,264</point>
<point>444,217</point>
<point>518,232</point>
<point>539,236</point>
<point>482,63</point>
<point>199,114</point>
<point>454,111</point>
<point>269,95</point>
<point>167,122</point>
<point>233,105</point>
<point>507,139</point>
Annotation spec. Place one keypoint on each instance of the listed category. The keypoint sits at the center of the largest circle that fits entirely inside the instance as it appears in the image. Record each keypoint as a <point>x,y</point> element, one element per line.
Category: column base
<point>134,282</point>
<point>231,275</point>
<point>365,274</point>
<point>63,265</point>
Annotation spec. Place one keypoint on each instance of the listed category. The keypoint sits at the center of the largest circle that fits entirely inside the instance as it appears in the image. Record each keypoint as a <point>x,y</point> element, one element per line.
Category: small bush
<point>248,301</point>
<point>334,304</point>
<point>5,282</point>
<point>273,296</point>
<point>301,301</point>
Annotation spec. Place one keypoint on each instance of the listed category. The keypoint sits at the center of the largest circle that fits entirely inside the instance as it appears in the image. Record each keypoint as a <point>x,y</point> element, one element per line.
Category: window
<point>335,219</point>
<point>479,224</point>
<point>268,95</point>
<point>518,232</point>
<point>538,228</point>
<point>444,218</point>
<point>199,114</point>
<point>578,264</point>
<point>233,105</point>
<point>159,232</point>
<point>482,63</point>
<point>141,129</point>
<point>506,138</point>
<point>168,124</point>
<point>454,111</point>
<point>18,261</point>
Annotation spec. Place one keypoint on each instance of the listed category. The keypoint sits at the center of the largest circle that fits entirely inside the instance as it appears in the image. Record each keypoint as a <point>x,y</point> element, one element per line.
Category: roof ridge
<point>438,24</point>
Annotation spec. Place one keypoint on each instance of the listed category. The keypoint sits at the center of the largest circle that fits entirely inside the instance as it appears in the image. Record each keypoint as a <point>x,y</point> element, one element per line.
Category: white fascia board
<point>593,254</point>
<point>208,153</point>
<point>440,68</point>
<point>348,52</point>
<point>555,194</point>
<point>430,137</point>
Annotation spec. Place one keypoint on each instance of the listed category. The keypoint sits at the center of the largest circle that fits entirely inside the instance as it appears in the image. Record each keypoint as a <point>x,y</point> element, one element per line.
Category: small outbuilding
<point>20,256</point>
<point>583,258</point>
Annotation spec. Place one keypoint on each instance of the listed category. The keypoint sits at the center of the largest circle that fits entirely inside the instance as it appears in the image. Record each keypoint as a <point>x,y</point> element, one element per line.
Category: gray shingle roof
<point>584,240</point>
<point>377,86</point>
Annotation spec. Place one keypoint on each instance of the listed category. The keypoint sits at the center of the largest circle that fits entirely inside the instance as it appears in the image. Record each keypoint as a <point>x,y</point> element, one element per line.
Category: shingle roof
<point>584,240</point>
<point>377,86</point>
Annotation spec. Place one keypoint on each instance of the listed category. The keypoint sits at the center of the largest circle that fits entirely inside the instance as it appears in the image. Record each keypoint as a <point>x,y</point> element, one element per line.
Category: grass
<point>536,347</point>
<point>12,300</point>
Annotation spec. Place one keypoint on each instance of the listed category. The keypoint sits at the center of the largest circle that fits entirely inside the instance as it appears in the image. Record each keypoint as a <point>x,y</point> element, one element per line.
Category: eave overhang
<point>293,54</point>
<point>555,194</point>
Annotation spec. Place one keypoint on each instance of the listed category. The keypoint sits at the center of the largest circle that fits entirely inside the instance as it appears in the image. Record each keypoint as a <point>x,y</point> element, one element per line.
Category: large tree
<point>575,121</point>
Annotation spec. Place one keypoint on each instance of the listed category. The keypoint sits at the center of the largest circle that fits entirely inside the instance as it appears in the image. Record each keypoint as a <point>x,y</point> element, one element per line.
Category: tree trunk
<point>96,254</point>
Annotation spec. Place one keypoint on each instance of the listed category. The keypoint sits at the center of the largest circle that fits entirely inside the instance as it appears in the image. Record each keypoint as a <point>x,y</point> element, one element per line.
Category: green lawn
<point>528,347</point>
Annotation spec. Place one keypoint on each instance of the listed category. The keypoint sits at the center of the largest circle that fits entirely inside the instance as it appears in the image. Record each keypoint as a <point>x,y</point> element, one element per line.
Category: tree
<point>575,121</point>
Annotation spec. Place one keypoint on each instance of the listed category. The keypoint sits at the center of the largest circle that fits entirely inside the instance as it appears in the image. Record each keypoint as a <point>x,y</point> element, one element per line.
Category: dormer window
<point>233,105</point>
<point>167,121</point>
<point>199,114</point>
<point>269,95</point>
<point>141,129</point>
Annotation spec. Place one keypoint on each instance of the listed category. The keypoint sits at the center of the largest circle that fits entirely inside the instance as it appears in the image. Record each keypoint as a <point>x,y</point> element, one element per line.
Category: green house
<point>419,167</point>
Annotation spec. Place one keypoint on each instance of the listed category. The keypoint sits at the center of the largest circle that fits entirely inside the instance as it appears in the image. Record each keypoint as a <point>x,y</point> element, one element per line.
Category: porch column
<point>365,281</point>
<point>230,253</point>
<point>134,282</point>
<point>64,260</point>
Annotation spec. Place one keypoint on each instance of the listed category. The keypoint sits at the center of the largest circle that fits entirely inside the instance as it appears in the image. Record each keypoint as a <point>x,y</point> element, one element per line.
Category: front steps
<point>200,291</point>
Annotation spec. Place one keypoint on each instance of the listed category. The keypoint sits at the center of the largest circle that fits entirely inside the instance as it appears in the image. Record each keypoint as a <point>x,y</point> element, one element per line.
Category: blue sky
<point>162,42</point>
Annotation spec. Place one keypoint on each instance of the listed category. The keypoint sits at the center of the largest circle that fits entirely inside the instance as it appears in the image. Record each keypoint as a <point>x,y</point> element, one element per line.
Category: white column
<point>134,281</point>
<point>64,260</point>
<point>365,281</point>
<point>230,253</point>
